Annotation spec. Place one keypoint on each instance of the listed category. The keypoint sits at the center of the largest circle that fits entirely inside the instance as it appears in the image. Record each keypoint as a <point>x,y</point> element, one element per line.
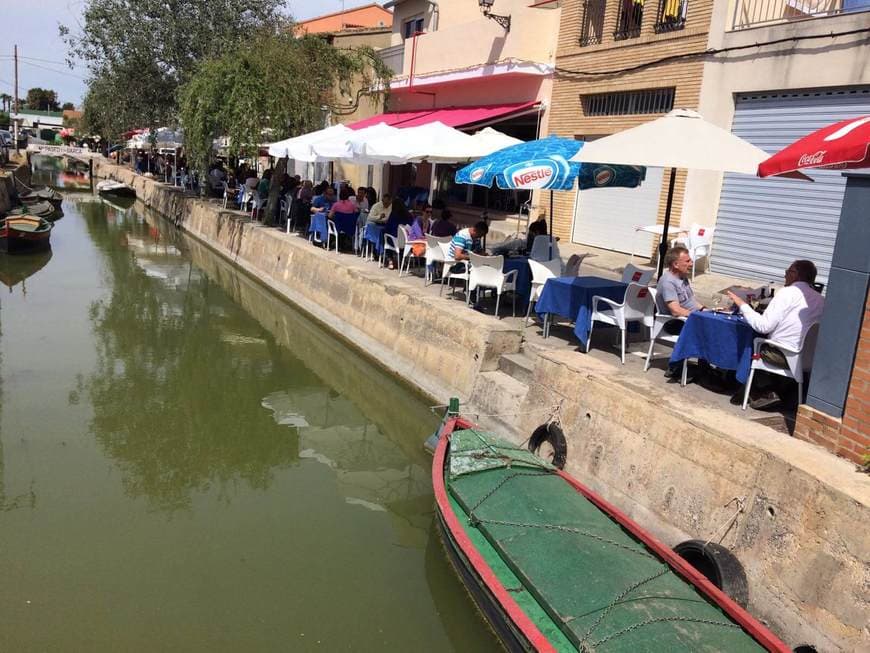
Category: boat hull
<point>502,581</point>
<point>17,236</point>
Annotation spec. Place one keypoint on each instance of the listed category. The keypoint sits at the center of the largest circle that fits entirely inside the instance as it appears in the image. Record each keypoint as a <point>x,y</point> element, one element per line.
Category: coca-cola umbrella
<point>545,164</point>
<point>843,145</point>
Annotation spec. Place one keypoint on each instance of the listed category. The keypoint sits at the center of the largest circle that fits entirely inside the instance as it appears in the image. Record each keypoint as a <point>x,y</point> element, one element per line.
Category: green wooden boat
<point>554,567</point>
<point>45,210</point>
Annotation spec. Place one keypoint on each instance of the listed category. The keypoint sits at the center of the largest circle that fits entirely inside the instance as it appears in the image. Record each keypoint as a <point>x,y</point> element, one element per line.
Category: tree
<point>160,42</point>
<point>6,101</point>
<point>4,119</point>
<point>68,106</point>
<point>271,87</point>
<point>42,99</point>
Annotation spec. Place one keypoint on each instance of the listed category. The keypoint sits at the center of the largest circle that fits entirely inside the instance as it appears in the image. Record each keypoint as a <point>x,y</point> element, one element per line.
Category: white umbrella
<point>681,139</point>
<point>434,142</point>
<point>490,140</point>
<point>299,147</point>
<point>344,144</point>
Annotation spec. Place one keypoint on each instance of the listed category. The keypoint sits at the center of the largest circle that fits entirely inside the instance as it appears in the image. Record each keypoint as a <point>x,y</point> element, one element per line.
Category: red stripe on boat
<point>516,614</point>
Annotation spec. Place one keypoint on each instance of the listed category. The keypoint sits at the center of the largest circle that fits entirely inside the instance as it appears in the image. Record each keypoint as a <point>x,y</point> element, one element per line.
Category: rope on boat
<point>589,647</point>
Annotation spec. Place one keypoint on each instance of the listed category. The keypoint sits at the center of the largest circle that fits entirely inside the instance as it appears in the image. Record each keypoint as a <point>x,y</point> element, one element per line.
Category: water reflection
<point>154,332</point>
<point>17,269</point>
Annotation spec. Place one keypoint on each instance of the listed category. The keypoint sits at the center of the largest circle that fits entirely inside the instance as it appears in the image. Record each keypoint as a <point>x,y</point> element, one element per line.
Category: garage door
<point>606,217</point>
<point>765,224</point>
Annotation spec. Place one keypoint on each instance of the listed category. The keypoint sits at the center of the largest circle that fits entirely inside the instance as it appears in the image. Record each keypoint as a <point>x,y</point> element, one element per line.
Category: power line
<point>9,56</point>
<point>53,70</point>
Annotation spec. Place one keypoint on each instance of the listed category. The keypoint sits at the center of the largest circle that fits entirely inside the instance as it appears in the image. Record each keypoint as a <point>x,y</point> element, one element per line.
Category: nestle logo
<point>477,174</point>
<point>530,176</point>
<point>812,159</point>
<point>604,176</point>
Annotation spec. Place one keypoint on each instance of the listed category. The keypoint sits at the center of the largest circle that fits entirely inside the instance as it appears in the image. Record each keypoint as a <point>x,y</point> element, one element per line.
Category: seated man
<point>675,295</point>
<point>380,211</point>
<point>323,203</point>
<point>467,240</point>
<point>787,318</point>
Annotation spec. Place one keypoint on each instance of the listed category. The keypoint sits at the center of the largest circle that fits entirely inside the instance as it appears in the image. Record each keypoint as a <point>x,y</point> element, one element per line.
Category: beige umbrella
<point>681,139</point>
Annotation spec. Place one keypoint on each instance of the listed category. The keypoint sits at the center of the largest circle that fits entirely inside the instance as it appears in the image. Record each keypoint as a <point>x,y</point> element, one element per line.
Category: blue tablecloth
<point>374,234</point>
<point>722,340</point>
<point>345,223</point>
<point>318,226</point>
<point>524,277</point>
<point>571,298</point>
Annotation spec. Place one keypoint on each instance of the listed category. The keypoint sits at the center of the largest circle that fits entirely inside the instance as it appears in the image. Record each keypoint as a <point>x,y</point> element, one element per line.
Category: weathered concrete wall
<point>804,536</point>
<point>424,339</point>
<point>7,186</point>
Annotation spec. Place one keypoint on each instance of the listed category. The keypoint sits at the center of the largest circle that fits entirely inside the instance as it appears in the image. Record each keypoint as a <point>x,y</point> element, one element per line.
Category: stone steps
<point>519,366</point>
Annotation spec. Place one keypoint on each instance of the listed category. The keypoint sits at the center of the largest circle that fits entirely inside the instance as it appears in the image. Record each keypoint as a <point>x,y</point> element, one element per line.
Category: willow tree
<point>272,87</point>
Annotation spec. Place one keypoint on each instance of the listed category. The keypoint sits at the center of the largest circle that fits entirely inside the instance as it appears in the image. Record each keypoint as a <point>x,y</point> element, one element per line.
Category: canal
<point>187,463</point>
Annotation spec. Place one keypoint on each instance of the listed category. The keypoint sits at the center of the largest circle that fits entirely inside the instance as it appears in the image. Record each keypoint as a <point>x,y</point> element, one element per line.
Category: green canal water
<point>189,464</point>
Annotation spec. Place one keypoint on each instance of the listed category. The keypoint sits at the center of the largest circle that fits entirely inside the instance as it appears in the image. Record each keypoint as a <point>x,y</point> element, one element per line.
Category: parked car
<point>6,138</point>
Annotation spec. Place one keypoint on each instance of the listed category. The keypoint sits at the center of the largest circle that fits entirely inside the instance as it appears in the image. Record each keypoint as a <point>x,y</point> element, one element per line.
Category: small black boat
<point>111,187</point>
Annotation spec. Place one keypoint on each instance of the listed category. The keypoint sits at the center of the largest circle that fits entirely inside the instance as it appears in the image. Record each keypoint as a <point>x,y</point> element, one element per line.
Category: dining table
<point>722,339</point>
<point>571,298</point>
<point>373,237</point>
<point>524,277</point>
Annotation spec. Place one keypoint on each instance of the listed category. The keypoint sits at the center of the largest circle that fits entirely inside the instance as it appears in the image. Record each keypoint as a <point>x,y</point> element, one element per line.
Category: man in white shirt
<point>788,316</point>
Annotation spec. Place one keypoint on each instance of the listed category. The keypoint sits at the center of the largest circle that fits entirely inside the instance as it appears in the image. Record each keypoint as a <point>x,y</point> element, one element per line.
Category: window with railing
<point>671,15</point>
<point>750,13</point>
<point>592,24</point>
<point>623,103</point>
<point>630,19</point>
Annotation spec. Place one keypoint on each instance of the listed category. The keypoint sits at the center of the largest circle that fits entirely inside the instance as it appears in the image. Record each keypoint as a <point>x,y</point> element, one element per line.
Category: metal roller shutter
<point>765,224</point>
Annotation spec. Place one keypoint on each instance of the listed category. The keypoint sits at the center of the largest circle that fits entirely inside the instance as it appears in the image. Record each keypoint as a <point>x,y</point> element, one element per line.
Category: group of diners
<point>784,319</point>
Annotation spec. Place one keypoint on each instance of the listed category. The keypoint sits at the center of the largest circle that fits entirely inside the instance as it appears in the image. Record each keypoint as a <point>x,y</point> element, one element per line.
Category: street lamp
<point>486,10</point>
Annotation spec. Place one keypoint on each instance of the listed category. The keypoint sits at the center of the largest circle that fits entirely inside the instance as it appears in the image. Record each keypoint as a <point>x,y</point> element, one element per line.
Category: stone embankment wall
<point>7,185</point>
<point>682,471</point>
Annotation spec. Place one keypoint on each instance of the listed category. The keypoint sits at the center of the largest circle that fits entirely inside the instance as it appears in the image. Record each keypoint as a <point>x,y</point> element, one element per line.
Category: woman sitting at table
<point>419,228</point>
<point>344,203</point>
<point>399,215</point>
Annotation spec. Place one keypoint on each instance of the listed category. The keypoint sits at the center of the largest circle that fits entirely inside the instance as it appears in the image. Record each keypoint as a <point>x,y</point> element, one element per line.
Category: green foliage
<point>67,106</point>
<point>4,120</point>
<point>42,99</point>
<point>271,87</point>
<point>140,51</point>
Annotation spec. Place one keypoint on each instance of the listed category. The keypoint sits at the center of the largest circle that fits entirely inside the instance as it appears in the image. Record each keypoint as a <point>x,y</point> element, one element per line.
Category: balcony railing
<point>393,58</point>
<point>630,19</point>
<point>671,15</point>
<point>755,13</point>
<point>592,27</point>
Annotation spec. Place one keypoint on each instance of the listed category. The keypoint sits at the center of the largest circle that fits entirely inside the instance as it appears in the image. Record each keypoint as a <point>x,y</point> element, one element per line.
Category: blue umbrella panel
<point>545,164</point>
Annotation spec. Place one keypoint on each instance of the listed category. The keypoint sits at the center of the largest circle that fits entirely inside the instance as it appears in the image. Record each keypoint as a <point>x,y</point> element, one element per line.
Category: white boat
<point>111,187</point>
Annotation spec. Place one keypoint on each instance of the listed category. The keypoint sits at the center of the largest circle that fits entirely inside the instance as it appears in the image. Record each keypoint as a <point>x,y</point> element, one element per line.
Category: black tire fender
<point>718,565</point>
<point>552,434</point>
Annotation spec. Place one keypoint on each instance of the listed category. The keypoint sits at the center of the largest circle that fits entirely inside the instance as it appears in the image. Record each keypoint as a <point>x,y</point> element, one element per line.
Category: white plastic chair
<point>637,306</point>
<point>541,272</point>
<point>391,244</point>
<point>799,361</point>
<point>227,192</point>
<point>406,245</point>
<point>331,233</point>
<point>572,265</point>
<point>434,254</point>
<point>634,274</point>
<point>488,272</point>
<point>699,242</point>
<point>257,204</point>
<point>448,262</point>
<point>657,335</point>
<point>541,248</point>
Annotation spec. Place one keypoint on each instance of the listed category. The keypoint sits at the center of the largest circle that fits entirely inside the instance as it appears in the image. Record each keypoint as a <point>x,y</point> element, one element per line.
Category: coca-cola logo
<point>812,159</point>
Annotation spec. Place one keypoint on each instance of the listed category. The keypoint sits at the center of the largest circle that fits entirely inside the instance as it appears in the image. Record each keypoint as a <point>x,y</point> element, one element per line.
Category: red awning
<point>452,117</point>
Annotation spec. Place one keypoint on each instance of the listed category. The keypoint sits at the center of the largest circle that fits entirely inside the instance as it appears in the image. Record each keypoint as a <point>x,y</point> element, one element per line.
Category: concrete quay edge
<point>804,534</point>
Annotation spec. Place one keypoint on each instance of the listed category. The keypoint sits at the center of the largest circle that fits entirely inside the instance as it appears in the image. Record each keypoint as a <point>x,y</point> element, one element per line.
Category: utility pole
<point>15,105</point>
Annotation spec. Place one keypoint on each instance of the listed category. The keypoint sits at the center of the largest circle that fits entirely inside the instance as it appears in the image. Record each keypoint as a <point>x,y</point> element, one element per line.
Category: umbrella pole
<point>550,239</point>
<point>663,243</point>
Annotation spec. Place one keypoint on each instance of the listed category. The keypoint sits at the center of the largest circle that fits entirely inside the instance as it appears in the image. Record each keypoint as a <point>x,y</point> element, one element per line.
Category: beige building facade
<point>783,69</point>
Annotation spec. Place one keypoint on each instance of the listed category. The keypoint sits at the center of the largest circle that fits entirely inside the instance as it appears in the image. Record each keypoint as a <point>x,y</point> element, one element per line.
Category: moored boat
<point>112,187</point>
<point>41,194</point>
<point>45,210</point>
<point>24,233</point>
<point>554,567</point>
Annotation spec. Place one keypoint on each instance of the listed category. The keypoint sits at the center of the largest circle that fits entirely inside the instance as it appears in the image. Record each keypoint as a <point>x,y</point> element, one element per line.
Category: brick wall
<point>848,437</point>
<point>566,115</point>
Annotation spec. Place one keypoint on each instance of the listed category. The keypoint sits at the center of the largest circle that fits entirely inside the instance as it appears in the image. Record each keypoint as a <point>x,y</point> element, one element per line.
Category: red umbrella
<point>839,146</point>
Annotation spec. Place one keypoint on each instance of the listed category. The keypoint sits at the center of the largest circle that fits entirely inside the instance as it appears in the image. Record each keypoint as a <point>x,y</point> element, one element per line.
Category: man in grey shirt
<point>675,296</point>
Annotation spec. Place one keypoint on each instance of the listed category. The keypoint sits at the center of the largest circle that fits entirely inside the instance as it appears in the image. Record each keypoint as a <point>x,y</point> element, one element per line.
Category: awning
<point>452,116</point>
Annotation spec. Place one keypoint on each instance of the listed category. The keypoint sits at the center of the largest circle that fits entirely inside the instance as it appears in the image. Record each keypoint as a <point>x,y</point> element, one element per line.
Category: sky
<point>32,25</point>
